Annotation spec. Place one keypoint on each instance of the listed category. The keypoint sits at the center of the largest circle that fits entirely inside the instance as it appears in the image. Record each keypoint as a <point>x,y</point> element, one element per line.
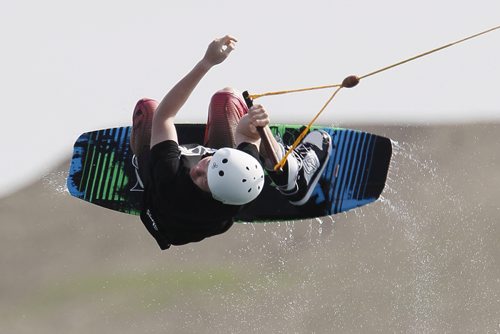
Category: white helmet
<point>234,177</point>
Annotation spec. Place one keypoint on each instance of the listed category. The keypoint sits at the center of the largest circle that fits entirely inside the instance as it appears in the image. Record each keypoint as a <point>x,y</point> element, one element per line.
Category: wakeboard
<point>103,172</point>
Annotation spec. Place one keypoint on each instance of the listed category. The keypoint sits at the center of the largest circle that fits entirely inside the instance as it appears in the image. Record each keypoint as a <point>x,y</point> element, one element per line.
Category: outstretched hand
<point>219,50</point>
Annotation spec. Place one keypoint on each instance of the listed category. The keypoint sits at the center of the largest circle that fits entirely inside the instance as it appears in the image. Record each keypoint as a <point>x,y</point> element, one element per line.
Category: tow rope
<point>349,82</point>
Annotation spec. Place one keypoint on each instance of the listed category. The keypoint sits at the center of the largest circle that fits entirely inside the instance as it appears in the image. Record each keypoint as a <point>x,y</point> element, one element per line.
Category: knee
<point>228,94</point>
<point>146,105</point>
<point>227,101</point>
<point>229,90</point>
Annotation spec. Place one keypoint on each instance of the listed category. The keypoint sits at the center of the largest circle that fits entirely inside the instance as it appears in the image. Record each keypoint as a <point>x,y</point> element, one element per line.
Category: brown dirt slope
<point>424,259</point>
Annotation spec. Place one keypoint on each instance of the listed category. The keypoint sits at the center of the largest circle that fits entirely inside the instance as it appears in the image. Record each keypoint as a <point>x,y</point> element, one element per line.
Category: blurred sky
<point>73,66</point>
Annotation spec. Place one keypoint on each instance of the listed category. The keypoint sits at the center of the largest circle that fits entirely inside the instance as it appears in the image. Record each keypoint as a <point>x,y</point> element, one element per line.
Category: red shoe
<point>142,121</point>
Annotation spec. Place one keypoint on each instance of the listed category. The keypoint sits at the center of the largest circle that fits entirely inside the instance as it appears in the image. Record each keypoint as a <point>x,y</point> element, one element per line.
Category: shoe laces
<point>304,158</point>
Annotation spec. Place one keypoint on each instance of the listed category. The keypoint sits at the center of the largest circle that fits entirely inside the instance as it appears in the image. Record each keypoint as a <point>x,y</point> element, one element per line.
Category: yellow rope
<point>297,141</point>
<point>350,82</point>
<point>430,52</point>
<point>256,96</point>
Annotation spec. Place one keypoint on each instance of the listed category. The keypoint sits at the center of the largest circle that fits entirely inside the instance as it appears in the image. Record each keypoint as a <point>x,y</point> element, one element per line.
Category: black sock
<point>280,178</point>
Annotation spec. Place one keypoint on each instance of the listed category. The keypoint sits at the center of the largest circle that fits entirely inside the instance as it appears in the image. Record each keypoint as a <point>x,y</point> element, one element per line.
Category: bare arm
<point>163,121</point>
<point>247,132</point>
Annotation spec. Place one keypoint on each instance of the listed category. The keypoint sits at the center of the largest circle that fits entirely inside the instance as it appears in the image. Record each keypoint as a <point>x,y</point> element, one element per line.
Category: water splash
<point>414,245</point>
<point>55,182</point>
<point>399,202</point>
<point>437,224</point>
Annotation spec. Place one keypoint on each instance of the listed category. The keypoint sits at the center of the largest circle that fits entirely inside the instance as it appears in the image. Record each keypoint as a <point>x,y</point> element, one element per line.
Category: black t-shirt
<point>176,211</point>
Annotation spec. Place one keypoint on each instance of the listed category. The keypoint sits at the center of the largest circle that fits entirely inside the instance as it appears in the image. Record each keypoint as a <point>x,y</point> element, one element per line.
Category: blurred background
<point>423,259</point>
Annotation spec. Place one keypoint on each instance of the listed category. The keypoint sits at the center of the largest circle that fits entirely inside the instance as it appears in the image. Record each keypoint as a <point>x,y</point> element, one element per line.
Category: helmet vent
<point>249,190</point>
<point>224,161</point>
<point>244,180</point>
<point>221,173</point>
<point>247,168</point>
